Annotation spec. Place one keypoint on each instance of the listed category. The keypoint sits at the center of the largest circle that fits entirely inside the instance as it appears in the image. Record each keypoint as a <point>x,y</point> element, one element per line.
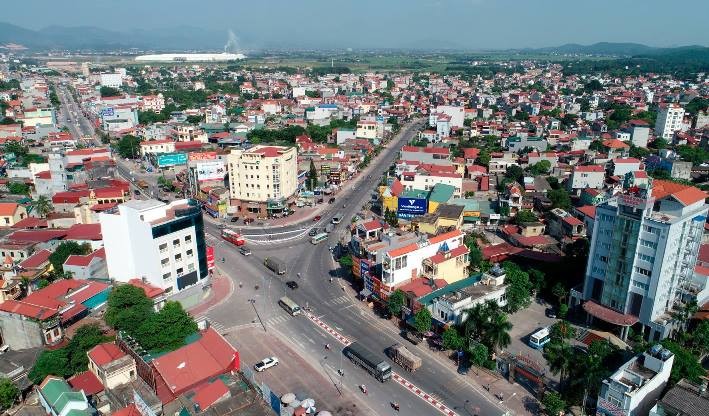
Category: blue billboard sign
<point>171,159</point>
<point>411,207</point>
<point>107,112</point>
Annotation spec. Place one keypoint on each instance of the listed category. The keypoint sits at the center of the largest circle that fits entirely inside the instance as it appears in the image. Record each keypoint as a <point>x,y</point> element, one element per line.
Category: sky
<point>458,24</point>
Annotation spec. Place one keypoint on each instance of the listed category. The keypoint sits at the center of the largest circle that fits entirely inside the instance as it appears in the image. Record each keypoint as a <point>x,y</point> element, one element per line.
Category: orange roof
<point>403,250</point>
<point>445,236</point>
<point>685,194</point>
<point>615,144</point>
<point>7,209</point>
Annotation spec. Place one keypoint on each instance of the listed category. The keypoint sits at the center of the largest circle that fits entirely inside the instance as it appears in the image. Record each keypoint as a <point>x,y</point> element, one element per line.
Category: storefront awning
<point>603,313</point>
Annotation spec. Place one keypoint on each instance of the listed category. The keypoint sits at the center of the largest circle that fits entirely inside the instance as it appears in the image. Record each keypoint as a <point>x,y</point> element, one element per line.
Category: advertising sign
<point>411,207</point>
<point>202,155</point>
<point>209,171</point>
<point>210,257</point>
<point>356,270</point>
<point>171,159</point>
<point>107,112</point>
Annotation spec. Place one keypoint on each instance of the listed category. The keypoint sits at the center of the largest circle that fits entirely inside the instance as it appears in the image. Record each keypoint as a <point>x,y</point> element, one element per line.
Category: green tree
<point>167,329</point>
<point>540,168</point>
<point>391,218</point>
<point>700,338</point>
<point>312,182</point>
<point>396,302</point>
<point>514,173</point>
<point>525,216</point>
<point>593,85</point>
<point>127,307</point>
<point>194,119</point>
<point>659,143</point>
<point>109,92</point>
<point>8,393</point>
<point>346,262</point>
<point>686,364</point>
<point>128,146</point>
<point>497,331</point>
<point>166,184</point>
<point>85,338</point>
<point>559,198</point>
<point>593,368</point>
<point>64,250</point>
<point>18,188</point>
<point>42,206</point>
<point>476,257</point>
<point>50,362</point>
<point>694,154</point>
<point>452,339</point>
<point>561,357</point>
<point>423,320</point>
<point>559,291</point>
<point>519,287</point>
<point>537,278</point>
<point>479,354</point>
<point>553,404</point>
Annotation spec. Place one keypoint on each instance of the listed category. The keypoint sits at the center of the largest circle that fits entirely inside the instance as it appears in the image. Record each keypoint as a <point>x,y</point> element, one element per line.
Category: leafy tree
<point>8,393</point>
<point>596,146</point>
<point>559,291</point>
<point>396,302</point>
<point>166,184</point>
<point>594,367</point>
<point>593,85</point>
<point>85,338</point>
<point>476,257</point>
<point>312,181</point>
<point>18,188</point>
<point>391,218</point>
<point>559,198</point>
<point>64,250</point>
<point>346,262</point>
<point>42,206</point>
<point>514,173</point>
<point>167,329</point>
<point>423,320</point>
<point>525,216</point>
<point>50,362</point>
<point>638,152</point>
<point>537,278</point>
<point>561,357</point>
<point>128,146</point>
<point>479,354</point>
<point>694,154</point>
<point>194,119</point>
<point>109,91</point>
<point>686,364</point>
<point>127,307</point>
<point>562,331</point>
<point>659,143</point>
<point>497,331</point>
<point>553,404</point>
<point>452,339</point>
<point>484,157</point>
<point>563,311</point>
<point>519,287</point>
<point>696,105</point>
<point>700,338</point>
<point>540,168</point>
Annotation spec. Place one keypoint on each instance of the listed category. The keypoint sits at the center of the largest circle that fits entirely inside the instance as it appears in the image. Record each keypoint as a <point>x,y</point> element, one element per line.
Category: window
<point>651,230</point>
<point>166,275</point>
<point>188,238</point>
<point>178,257</point>
<point>190,267</point>
<point>163,247</point>
<point>176,242</point>
<point>164,262</point>
<point>645,257</point>
<point>180,271</point>
<point>189,253</point>
<point>603,259</point>
<point>644,272</point>
<point>648,243</point>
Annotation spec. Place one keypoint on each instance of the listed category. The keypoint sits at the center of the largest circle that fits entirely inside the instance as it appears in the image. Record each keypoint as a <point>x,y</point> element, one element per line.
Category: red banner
<point>210,257</point>
<point>202,155</point>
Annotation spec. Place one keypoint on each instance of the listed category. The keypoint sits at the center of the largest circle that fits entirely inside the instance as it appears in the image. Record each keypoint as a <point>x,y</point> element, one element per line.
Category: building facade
<point>263,179</point>
<point>669,120</point>
<point>163,244</point>
<point>643,250</point>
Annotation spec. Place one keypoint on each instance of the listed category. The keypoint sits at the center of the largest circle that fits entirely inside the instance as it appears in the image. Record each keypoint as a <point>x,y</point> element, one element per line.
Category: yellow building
<point>367,130</point>
<point>262,179</point>
<point>449,265</point>
<point>444,218</point>
<point>11,213</point>
<point>111,365</point>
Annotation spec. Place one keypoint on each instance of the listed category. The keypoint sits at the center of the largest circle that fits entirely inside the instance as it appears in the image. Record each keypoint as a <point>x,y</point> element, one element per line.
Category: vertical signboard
<point>210,257</point>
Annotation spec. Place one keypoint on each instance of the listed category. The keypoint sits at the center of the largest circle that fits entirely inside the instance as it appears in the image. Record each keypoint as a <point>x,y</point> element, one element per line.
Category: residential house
<point>58,399</point>
<point>11,213</point>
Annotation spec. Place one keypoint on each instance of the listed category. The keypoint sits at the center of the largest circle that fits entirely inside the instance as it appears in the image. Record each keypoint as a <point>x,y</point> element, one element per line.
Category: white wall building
<point>591,176</point>
<point>635,387</point>
<point>669,120</point>
<point>161,243</point>
<point>111,80</point>
<point>456,113</point>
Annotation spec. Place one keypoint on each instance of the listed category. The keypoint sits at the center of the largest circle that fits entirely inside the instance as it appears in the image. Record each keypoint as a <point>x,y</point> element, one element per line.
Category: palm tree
<point>42,206</point>
<point>497,331</point>
<point>473,324</point>
<point>560,357</point>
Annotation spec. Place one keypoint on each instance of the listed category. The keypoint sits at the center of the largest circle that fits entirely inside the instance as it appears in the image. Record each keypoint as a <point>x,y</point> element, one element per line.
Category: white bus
<point>337,218</point>
<point>318,238</point>
<point>290,306</point>
<point>538,339</point>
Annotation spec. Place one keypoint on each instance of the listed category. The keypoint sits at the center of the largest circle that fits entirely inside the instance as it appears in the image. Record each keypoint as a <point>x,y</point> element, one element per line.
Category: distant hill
<point>601,48</point>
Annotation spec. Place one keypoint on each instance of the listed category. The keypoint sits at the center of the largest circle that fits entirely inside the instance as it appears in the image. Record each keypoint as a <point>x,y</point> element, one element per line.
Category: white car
<point>266,363</point>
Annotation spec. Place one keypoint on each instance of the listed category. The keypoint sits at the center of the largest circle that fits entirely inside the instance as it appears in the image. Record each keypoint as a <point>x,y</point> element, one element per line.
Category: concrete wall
<point>19,333</point>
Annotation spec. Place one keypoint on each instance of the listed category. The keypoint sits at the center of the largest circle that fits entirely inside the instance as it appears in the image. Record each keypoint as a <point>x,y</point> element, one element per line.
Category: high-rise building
<point>643,251</point>
<point>161,244</point>
<point>262,179</point>
<point>669,120</point>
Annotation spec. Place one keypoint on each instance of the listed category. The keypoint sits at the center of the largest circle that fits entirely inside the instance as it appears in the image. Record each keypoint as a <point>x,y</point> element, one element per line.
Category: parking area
<point>524,323</point>
<point>293,374</point>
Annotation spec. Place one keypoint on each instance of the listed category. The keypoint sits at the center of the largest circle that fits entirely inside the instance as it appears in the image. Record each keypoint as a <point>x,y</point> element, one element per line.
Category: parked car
<point>317,218</point>
<point>234,219</point>
<point>331,200</point>
<point>313,232</point>
<point>292,284</point>
<point>245,251</point>
<point>266,363</point>
<point>550,313</point>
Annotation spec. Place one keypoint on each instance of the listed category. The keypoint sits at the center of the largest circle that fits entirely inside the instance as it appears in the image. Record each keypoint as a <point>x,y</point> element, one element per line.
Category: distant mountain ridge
<point>617,49</point>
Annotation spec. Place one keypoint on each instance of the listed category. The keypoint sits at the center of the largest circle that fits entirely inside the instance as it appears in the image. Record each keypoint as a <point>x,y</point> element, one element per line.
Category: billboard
<point>202,155</point>
<point>210,257</point>
<point>411,207</point>
<point>107,112</point>
<point>171,159</point>
<point>209,171</point>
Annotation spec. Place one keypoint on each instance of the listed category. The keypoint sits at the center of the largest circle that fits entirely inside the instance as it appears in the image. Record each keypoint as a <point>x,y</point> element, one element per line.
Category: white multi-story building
<point>635,387</point>
<point>155,103</point>
<point>643,252</point>
<point>162,244</point>
<point>669,120</point>
<point>589,176</point>
<point>262,179</point>
<point>111,80</point>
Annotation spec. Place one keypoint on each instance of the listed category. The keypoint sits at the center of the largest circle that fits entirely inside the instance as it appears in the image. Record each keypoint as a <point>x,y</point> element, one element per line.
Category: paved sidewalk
<point>222,288</point>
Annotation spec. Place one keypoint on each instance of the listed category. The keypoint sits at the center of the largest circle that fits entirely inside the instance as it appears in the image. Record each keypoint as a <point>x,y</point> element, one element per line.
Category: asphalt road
<point>332,305</point>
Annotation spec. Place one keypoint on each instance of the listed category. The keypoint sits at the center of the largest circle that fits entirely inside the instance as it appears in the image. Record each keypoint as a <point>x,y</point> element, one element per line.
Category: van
<point>5,348</point>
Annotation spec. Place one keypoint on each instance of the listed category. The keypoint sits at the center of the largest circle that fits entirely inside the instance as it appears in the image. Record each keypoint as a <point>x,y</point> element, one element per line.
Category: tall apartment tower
<point>643,252</point>
<point>669,120</point>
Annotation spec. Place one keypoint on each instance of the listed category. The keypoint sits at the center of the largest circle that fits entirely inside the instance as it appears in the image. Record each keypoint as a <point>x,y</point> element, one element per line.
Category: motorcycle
<point>363,388</point>
<point>395,405</point>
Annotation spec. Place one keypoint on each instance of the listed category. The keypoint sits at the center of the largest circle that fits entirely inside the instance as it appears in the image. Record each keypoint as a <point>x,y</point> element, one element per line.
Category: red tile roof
<point>129,410</point>
<point>210,394</point>
<point>84,232</point>
<point>84,260</point>
<point>40,258</point>
<point>608,315</point>
<point>103,354</point>
<point>36,236</point>
<point>615,144</point>
<point>31,222</point>
<point>588,210</point>
<point>267,151</point>
<point>150,290</point>
<point>685,194</point>
<point>421,286</point>
<point>195,363</point>
<point>86,381</point>
<point>7,209</point>
<point>451,254</point>
<point>589,168</point>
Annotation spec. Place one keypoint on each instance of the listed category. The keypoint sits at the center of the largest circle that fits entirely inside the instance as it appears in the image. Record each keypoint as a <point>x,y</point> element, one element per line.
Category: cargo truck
<point>374,365</point>
<point>275,264</point>
<point>405,358</point>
